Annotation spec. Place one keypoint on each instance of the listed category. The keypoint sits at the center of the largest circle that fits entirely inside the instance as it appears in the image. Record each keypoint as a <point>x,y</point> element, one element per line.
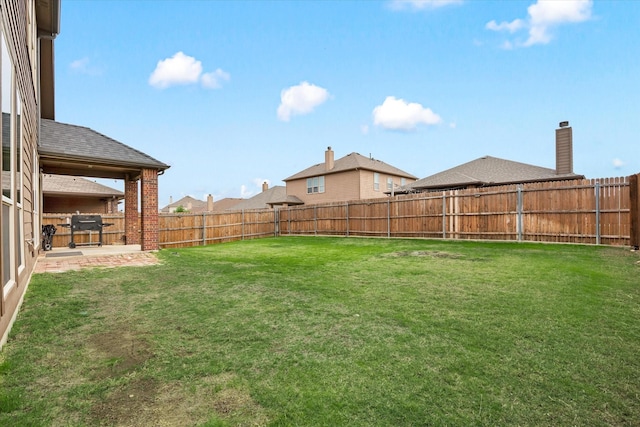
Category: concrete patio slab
<point>59,260</point>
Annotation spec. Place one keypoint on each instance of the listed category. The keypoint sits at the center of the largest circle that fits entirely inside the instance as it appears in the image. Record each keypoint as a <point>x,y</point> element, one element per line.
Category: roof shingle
<point>350,162</point>
<point>488,170</point>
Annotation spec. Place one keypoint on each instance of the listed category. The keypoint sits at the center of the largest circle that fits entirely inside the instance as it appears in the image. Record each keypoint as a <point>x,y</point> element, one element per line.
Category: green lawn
<point>333,332</point>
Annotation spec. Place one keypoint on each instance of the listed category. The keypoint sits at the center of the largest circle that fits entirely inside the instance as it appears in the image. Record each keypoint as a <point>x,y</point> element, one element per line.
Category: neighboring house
<point>351,177</point>
<point>27,31</point>
<point>69,194</point>
<point>187,203</point>
<point>226,203</point>
<point>490,171</point>
<point>192,205</point>
<point>269,198</point>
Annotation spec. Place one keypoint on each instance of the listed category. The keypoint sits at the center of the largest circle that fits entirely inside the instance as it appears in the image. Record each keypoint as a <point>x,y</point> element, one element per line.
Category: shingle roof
<point>187,202</point>
<point>76,186</point>
<point>226,203</point>
<point>78,142</point>
<point>488,170</point>
<point>274,196</point>
<point>350,162</point>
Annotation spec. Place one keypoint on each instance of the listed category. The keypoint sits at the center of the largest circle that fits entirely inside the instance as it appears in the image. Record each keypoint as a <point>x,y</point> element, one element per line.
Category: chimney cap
<point>329,148</point>
<point>563,124</point>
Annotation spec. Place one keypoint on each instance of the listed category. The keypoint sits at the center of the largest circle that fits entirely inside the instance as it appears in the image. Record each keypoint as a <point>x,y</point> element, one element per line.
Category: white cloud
<point>183,69</point>
<point>214,80</point>
<point>511,27</point>
<point>83,66</point>
<point>300,99</point>
<point>421,4</point>
<point>542,17</point>
<point>397,114</point>
<point>245,193</point>
<point>617,163</point>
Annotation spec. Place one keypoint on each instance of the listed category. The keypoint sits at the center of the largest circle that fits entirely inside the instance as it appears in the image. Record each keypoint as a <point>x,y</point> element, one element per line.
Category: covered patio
<point>73,150</point>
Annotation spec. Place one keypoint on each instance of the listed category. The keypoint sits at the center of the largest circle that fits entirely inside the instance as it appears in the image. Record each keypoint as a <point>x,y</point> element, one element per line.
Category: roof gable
<point>352,161</point>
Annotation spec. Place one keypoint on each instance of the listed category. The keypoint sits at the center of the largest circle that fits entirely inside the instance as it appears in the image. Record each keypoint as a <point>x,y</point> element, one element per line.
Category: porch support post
<point>132,233</point>
<point>149,208</point>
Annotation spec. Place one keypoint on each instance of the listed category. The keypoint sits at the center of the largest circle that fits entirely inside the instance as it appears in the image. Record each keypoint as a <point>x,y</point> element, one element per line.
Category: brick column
<point>149,208</point>
<point>131,230</point>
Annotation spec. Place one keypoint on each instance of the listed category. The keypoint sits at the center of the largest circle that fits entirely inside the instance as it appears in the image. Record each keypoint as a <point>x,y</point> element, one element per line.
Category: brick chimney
<point>564,149</point>
<point>209,203</point>
<point>328,159</point>
<point>265,186</point>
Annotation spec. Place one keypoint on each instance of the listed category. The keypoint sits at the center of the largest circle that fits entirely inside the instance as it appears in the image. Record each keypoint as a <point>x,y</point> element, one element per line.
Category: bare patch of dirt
<point>146,402</point>
<point>118,352</point>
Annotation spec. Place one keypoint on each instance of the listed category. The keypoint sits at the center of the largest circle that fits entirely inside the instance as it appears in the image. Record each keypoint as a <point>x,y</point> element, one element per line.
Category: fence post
<point>634,211</point>
<point>315,221</point>
<point>347,213</point>
<point>276,221</point>
<point>444,215</point>
<point>597,188</point>
<point>519,209</point>
<point>204,229</point>
<point>388,218</point>
<point>242,222</point>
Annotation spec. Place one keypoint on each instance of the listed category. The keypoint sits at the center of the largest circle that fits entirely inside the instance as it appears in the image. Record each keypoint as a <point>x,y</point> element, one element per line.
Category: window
<point>9,232</point>
<point>19,180</point>
<point>376,181</point>
<point>389,184</point>
<point>315,185</point>
<point>403,181</point>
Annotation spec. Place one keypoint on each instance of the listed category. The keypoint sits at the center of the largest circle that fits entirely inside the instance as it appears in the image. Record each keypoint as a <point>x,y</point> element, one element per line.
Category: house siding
<point>21,244</point>
<point>337,187</point>
<point>342,186</point>
<point>79,204</point>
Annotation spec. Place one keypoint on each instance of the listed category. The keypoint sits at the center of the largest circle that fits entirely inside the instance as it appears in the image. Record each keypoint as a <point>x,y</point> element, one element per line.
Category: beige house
<point>192,205</point>
<point>69,194</point>
<point>27,31</point>
<point>351,177</point>
<point>269,198</point>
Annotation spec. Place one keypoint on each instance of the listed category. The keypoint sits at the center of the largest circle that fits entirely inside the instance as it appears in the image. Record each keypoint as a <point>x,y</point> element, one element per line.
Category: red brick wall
<point>132,233</point>
<point>149,208</point>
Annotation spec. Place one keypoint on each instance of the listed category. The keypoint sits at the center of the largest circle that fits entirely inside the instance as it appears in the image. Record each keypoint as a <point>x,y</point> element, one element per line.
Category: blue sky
<point>231,94</point>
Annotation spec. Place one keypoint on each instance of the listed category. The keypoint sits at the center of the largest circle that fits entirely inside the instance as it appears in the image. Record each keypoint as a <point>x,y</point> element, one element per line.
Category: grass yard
<point>333,332</point>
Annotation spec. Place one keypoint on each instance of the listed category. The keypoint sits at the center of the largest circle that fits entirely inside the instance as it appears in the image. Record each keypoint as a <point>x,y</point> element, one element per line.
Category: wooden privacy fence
<point>580,211</point>
<point>602,211</point>
<point>175,230</point>
<point>111,235</point>
<point>179,230</point>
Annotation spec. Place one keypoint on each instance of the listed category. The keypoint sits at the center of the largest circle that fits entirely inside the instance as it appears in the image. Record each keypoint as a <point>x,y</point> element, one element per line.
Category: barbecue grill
<point>86,223</point>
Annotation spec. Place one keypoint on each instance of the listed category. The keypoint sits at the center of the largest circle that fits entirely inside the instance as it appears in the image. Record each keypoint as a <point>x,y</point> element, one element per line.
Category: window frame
<point>315,185</point>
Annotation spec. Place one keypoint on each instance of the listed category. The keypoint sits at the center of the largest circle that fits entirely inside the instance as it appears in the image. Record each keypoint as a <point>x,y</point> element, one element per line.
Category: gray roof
<point>267,199</point>
<point>351,162</point>
<point>79,142</point>
<point>63,185</point>
<point>488,170</point>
